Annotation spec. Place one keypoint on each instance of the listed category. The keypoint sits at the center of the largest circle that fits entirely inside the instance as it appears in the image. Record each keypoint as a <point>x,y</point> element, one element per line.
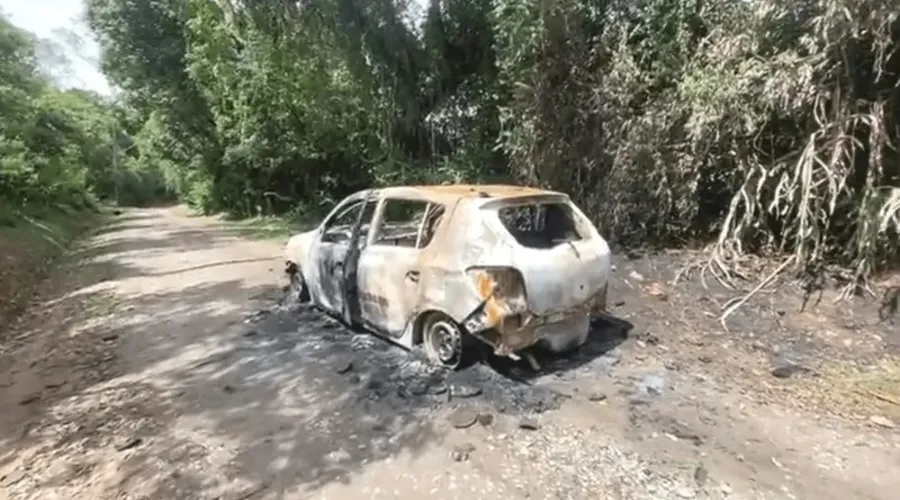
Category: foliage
<point>257,108</point>
<point>771,125</point>
<point>58,146</point>
<point>758,125</point>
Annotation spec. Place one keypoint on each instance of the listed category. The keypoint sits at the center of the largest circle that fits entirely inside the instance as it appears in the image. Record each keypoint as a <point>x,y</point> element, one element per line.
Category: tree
<point>55,145</point>
<point>759,126</point>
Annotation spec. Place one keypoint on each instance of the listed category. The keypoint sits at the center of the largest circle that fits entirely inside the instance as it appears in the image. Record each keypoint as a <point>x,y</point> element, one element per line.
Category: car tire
<point>298,289</point>
<point>445,342</point>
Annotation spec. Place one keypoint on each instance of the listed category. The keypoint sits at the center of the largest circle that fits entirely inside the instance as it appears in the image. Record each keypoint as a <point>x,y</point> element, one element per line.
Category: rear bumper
<point>565,335</point>
<point>557,332</point>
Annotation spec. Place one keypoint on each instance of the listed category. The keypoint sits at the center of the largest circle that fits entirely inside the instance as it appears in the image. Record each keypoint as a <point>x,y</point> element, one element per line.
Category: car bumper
<point>565,335</point>
<point>558,332</point>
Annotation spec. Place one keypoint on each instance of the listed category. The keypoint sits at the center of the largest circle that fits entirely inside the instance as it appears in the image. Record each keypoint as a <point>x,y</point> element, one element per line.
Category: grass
<point>881,386</point>
<point>871,390</point>
<point>50,223</point>
<point>100,305</point>
<point>266,228</point>
<point>271,227</point>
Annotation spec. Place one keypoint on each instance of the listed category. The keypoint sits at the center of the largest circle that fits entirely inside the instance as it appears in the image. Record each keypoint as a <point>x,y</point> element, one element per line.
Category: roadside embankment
<point>31,239</point>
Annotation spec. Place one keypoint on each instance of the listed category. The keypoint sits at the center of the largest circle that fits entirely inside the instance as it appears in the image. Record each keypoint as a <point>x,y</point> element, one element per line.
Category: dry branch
<point>878,396</point>
<point>735,304</point>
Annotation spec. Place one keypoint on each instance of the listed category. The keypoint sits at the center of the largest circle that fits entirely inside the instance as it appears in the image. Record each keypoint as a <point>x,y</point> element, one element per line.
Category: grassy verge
<point>874,390</point>
<point>31,239</point>
<point>303,217</point>
<point>847,390</point>
<point>266,228</point>
<point>278,228</point>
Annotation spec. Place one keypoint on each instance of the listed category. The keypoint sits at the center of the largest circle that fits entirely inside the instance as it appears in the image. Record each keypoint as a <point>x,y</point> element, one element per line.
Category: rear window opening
<point>541,225</point>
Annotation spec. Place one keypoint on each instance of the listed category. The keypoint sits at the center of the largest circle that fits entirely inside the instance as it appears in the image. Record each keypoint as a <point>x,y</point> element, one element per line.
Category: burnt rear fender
<point>477,300</point>
<point>449,292</point>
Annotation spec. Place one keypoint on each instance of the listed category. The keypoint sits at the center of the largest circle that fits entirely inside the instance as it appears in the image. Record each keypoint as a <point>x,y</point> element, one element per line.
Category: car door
<point>389,267</point>
<point>328,252</point>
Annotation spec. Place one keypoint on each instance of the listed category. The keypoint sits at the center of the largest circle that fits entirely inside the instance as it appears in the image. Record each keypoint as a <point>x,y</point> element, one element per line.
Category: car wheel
<point>444,341</point>
<point>299,290</point>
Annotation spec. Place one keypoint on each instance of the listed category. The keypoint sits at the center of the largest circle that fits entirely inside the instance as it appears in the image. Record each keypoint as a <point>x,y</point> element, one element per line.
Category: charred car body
<point>439,265</point>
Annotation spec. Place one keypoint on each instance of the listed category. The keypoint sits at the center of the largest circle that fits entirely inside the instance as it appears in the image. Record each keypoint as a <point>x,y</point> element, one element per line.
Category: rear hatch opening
<point>541,224</point>
<point>552,245</point>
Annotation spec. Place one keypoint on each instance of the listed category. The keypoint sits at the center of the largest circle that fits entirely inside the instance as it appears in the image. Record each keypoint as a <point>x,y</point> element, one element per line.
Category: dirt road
<point>158,362</point>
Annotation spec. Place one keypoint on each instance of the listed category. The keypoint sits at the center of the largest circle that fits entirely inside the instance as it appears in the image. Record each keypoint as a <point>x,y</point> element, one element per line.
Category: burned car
<point>442,266</point>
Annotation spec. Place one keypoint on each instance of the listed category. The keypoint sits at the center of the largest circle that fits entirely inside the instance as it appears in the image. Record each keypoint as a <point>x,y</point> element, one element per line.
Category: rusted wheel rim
<point>445,342</point>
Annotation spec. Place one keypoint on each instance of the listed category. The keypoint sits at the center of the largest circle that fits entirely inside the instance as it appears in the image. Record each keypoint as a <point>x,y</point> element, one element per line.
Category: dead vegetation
<point>836,194</point>
<point>864,393</point>
<point>770,128</point>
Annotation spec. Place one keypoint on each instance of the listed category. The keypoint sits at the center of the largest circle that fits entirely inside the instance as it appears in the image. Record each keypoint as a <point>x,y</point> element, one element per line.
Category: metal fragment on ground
<point>463,418</point>
<point>529,424</point>
<point>461,452</point>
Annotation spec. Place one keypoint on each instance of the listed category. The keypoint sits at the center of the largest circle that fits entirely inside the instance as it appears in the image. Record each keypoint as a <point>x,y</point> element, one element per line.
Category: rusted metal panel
<point>508,293</point>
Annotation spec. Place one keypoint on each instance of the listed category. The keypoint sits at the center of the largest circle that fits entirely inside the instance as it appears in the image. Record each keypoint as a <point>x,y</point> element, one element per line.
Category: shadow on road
<point>163,375</point>
<point>164,346</point>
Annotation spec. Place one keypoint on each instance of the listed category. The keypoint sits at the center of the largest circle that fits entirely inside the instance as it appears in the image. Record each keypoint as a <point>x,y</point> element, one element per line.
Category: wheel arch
<point>418,326</point>
<point>297,248</point>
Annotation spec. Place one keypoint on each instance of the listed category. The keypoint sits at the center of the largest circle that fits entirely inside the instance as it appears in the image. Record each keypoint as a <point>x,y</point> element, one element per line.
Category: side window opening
<point>340,227</point>
<point>400,222</point>
<point>541,225</point>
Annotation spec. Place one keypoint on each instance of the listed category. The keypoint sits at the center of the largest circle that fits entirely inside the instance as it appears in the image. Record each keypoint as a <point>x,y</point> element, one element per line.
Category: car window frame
<point>375,229</point>
<point>339,212</point>
<point>341,209</point>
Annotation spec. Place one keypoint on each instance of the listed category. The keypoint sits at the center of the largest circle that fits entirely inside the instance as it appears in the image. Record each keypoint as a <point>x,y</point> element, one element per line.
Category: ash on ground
<point>391,375</point>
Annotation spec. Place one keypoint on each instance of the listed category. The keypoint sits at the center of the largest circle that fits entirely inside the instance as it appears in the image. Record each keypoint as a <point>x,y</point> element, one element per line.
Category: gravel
<point>567,462</point>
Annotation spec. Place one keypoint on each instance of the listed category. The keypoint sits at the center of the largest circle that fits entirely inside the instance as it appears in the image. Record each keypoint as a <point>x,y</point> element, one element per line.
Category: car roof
<point>464,191</point>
